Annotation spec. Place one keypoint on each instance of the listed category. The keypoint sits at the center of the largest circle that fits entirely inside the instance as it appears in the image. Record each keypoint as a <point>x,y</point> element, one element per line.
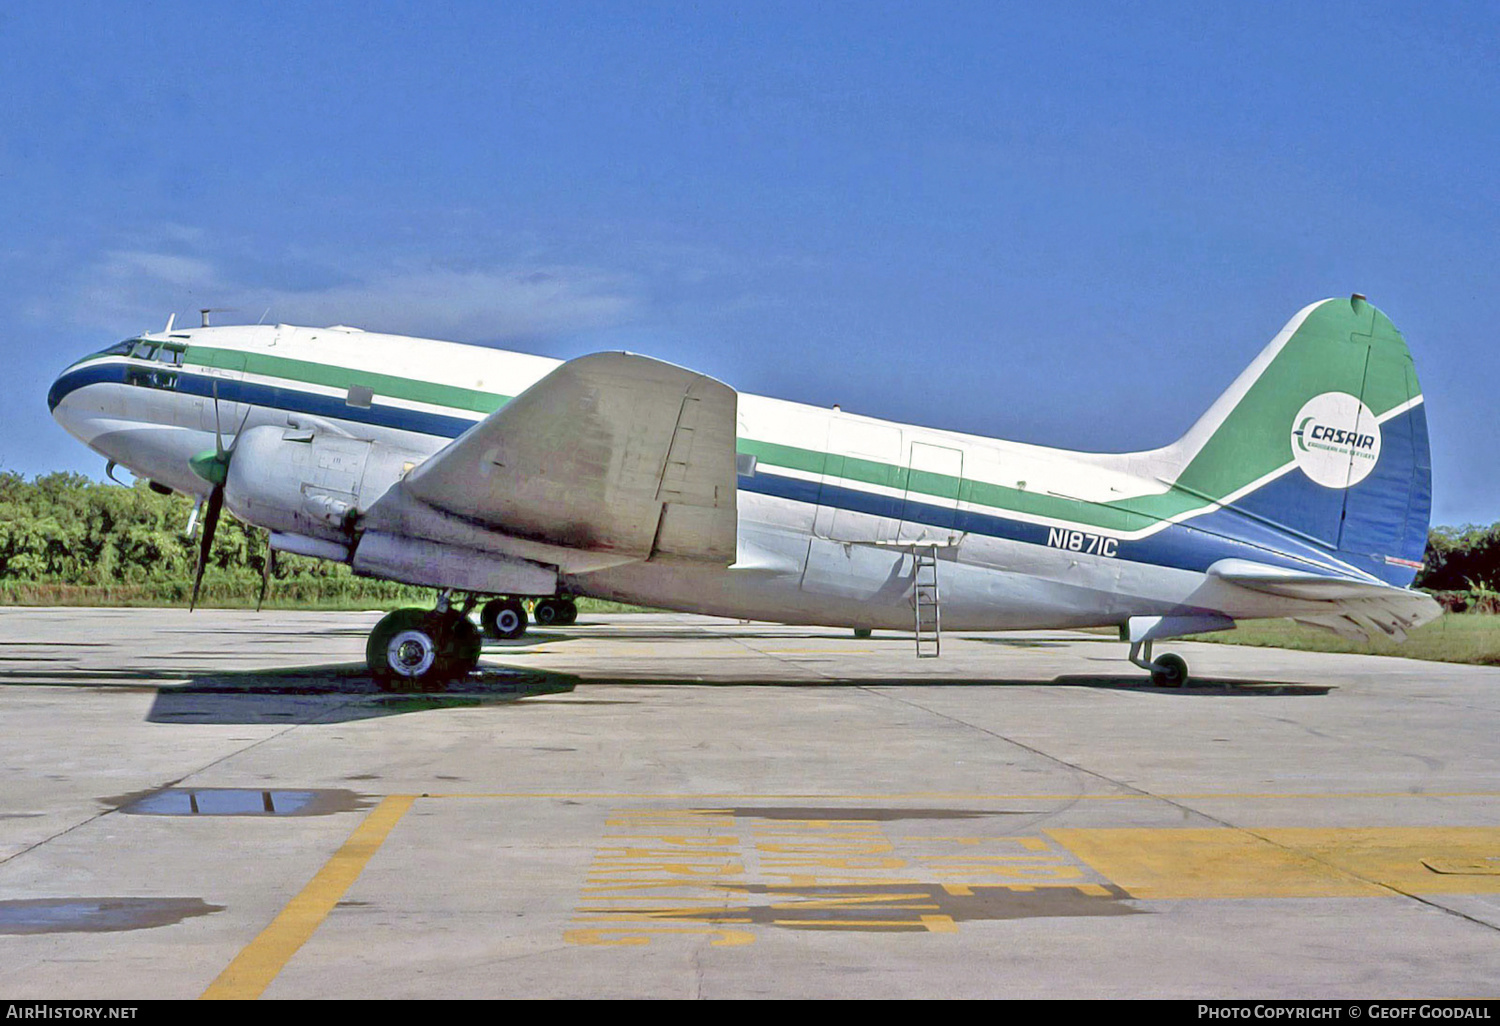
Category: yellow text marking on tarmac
<point>257,965</point>
<point>1289,862</point>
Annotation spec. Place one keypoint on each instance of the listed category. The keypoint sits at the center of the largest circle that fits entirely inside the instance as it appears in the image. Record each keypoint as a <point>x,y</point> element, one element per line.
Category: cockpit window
<point>146,349</point>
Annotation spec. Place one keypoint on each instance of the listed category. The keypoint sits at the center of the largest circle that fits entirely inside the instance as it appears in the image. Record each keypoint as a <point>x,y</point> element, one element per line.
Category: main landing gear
<point>1167,671</point>
<point>416,649</point>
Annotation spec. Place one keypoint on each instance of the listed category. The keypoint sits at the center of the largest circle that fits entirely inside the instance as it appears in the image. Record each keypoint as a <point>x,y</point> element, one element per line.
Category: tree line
<point>65,537</point>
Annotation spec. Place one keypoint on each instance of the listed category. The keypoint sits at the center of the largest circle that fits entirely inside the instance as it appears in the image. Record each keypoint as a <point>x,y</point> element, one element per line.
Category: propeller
<point>213,466</point>
<point>268,567</point>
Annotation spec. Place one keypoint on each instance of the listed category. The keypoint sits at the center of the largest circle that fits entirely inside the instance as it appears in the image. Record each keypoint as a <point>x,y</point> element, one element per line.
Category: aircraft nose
<point>69,381</point>
<point>55,393</point>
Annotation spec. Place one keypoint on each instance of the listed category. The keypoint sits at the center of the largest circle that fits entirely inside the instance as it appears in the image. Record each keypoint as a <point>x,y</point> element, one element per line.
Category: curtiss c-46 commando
<point>495,477</point>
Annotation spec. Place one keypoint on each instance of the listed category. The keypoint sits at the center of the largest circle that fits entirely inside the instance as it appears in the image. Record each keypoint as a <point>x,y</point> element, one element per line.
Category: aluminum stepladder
<point>925,601</point>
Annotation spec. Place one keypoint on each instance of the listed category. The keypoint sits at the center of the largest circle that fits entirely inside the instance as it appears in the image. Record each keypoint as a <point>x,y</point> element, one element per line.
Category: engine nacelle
<point>309,483</point>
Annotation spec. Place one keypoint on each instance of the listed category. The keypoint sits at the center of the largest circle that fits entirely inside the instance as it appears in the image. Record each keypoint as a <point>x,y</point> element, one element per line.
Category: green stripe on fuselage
<point>1326,353</point>
<point>333,376</point>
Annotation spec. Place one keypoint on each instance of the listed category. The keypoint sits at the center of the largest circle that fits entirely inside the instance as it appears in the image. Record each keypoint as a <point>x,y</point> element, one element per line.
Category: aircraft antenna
<point>206,310</point>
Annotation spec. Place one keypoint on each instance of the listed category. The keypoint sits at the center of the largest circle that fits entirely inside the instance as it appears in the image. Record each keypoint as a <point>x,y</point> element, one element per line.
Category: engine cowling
<point>306,482</point>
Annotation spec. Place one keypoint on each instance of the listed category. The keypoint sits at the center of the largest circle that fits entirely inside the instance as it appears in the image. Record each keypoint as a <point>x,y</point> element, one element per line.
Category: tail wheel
<point>554,612</point>
<point>1169,671</point>
<point>504,618</point>
<point>406,650</point>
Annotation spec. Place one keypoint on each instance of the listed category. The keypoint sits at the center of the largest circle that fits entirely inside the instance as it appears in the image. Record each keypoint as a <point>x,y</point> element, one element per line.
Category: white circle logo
<point>1335,440</point>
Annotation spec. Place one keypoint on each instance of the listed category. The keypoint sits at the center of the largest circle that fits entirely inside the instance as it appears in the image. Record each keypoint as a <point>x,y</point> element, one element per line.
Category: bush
<point>1464,559</point>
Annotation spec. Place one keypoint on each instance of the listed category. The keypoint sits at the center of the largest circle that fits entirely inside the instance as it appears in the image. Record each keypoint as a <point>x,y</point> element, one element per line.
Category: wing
<point>1358,610</point>
<point>615,455</point>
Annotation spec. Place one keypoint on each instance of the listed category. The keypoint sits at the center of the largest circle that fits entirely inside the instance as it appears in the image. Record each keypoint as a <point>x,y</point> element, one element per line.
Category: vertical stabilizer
<point>1324,436</point>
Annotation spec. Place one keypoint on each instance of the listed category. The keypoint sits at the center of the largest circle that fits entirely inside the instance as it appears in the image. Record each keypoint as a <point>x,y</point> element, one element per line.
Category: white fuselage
<point>831,505</point>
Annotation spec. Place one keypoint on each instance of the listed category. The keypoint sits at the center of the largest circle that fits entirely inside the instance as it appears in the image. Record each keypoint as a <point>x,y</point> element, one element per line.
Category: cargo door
<point>861,497</point>
<point>929,511</point>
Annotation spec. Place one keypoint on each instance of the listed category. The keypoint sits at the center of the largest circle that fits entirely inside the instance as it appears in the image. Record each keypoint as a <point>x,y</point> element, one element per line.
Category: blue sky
<point>1070,224</point>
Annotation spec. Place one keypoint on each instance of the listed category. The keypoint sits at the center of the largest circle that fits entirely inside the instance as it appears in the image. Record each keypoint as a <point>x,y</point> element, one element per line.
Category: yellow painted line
<point>253,969</point>
<point>1284,862</point>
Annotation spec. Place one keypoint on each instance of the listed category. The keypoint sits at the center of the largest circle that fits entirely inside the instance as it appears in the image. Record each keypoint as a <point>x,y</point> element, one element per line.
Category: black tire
<point>462,645</point>
<point>504,618</point>
<point>1169,671</point>
<point>405,650</point>
<point>862,632</point>
<point>551,612</point>
<point>569,612</point>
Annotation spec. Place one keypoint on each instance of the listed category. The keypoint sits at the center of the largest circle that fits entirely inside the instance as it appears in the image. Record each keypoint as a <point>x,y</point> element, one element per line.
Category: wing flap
<point>610,453</point>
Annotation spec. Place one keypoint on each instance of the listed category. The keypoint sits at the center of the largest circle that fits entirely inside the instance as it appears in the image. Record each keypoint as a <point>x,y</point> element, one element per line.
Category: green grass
<point>343,593</point>
<point>1454,638</point>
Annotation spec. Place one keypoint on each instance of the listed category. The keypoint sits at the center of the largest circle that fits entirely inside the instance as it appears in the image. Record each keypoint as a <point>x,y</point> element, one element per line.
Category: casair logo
<point>1335,440</point>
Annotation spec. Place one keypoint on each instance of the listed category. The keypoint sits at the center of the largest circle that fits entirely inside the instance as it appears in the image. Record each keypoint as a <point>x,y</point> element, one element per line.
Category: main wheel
<point>862,632</point>
<point>462,644</point>
<point>553,612</point>
<point>1169,671</point>
<point>504,618</point>
<point>406,650</point>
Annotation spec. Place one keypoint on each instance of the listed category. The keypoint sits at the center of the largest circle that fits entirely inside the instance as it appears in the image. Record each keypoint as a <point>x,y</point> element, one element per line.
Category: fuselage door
<point>860,497</point>
<point>933,479</point>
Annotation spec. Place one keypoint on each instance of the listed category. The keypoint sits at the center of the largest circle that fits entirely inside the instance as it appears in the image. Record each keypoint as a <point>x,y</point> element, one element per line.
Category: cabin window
<point>360,396</point>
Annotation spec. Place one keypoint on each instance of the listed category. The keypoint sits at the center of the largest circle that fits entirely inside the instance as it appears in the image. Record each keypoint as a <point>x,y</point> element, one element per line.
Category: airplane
<point>1304,491</point>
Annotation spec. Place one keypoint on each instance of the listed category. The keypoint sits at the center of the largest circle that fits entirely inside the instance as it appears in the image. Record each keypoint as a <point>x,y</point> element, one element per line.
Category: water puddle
<point>244,801</point>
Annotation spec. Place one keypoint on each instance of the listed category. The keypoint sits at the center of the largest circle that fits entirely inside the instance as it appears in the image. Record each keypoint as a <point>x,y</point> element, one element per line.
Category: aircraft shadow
<point>1198,687</point>
<point>337,693</point>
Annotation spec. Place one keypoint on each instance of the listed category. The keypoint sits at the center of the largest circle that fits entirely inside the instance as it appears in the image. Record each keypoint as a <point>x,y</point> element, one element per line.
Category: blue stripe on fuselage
<point>252,393</point>
<point>1191,545</point>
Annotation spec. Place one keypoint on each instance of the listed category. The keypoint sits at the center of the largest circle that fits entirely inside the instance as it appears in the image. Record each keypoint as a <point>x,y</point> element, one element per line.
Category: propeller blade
<point>218,433</point>
<point>239,431</point>
<point>267,568</point>
<point>210,525</point>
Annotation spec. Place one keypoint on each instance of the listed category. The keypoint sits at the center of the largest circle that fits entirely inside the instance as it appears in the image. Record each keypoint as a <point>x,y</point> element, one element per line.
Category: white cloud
<point>485,304</point>
<point>130,290</point>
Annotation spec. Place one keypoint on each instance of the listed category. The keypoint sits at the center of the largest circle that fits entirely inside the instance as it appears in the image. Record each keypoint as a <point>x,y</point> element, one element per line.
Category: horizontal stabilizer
<point>1357,610</point>
<point>609,453</point>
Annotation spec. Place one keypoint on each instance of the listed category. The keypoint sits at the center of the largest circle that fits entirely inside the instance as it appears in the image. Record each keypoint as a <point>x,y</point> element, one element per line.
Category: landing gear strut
<point>413,649</point>
<point>1167,671</point>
